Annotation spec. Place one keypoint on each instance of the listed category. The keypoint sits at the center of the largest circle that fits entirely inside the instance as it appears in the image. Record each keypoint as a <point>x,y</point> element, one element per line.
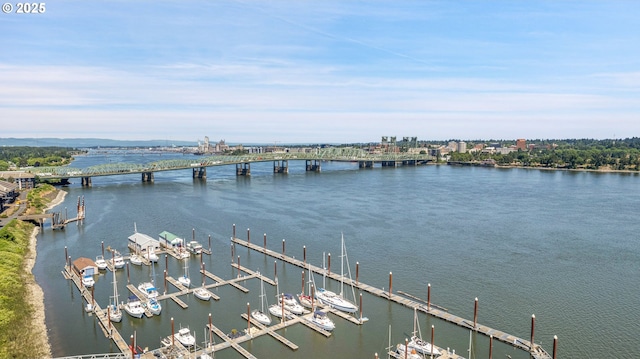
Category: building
<point>140,243</point>
<point>8,194</point>
<point>85,266</point>
<point>521,144</point>
<point>23,180</point>
<point>462,147</point>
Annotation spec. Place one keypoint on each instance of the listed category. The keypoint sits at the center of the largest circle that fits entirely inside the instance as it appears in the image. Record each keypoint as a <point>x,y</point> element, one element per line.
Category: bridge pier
<point>243,169</point>
<point>200,172</point>
<point>86,181</point>
<point>313,165</point>
<point>281,166</point>
<point>389,164</point>
<point>365,164</point>
<point>409,163</point>
<point>147,176</point>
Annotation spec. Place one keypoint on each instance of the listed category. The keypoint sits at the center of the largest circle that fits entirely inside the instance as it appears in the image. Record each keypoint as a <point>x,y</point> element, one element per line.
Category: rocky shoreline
<point>35,293</point>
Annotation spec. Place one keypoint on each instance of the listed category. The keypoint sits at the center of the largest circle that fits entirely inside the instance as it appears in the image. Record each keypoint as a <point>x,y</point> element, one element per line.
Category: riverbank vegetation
<point>23,156</point>
<point>18,335</point>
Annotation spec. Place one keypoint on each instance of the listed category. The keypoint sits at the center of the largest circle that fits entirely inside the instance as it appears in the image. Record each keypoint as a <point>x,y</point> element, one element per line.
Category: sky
<point>321,71</point>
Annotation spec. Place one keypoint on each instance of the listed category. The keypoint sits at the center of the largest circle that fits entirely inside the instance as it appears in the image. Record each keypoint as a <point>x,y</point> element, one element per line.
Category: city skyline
<point>321,72</point>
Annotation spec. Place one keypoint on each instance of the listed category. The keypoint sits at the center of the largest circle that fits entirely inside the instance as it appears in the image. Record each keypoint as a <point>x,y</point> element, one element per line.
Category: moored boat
<point>117,261</point>
<point>321,319</point>
<point>148,289</point>
<point>259,314</point>
<point>194,247</point>
<point>291,304</point>
<point>88,281</point>
<point>202,293</point>
<point>154,306</point>
<point>115,314</point>
<point>185,337</point>
<point>135,259</point>
<point>134,307</point>
<point>101,263</point>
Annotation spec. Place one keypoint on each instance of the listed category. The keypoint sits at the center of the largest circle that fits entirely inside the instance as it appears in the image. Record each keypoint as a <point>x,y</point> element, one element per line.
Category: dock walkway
<point>537,352</point>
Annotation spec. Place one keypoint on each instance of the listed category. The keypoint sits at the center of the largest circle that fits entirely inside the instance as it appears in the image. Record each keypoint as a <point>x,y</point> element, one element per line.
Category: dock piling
<point>283,252</point>
<point>209,244</point>
<point>264,241</point>
<point>357,271</point>
<point>133,354</point>
<point>234,231</point>
<point>248,235</point>
<point>329,263</point>
<point>475,315</point>
<point>433,329</point>
<point>304,254</point>
<point>128,276</point>
<point>390,283</point>
<point>555,346</point>
<point>429,297</point>
<point>491,347</point>
<point>238,266</point>
<point>533,326</point>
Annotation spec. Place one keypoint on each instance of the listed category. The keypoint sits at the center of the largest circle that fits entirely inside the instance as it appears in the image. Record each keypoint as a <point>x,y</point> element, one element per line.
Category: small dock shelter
<point>85,266</point>
<point>170,240</point>
<point>140,243</point>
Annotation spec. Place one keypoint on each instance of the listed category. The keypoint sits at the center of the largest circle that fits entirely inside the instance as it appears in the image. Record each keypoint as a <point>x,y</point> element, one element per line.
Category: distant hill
<point>90,142</point>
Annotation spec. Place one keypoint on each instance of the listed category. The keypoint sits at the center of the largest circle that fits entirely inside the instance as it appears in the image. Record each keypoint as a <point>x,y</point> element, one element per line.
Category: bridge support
<point>365,164</point>
<point>200,172</point>
<point>147,176</point>
<point>313,165</point>
<point>281,166</point>
<point>243,169</point>
<point>389,164</point>
<point>410,163</point>
<point>86,181</point>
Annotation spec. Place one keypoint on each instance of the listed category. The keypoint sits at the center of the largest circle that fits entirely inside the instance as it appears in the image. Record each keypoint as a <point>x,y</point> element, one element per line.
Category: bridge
<point>243,164</point>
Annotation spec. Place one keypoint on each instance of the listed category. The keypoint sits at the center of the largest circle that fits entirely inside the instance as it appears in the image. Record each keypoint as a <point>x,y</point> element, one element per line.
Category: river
<point>561,245</point>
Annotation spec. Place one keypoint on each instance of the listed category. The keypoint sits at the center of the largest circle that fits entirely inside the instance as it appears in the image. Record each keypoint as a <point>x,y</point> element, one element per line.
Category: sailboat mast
<point>341,263</point>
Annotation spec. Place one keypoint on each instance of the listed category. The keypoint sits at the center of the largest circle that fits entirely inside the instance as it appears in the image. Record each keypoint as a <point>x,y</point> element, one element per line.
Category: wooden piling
<point>133,354</point>
<point>555,346</point>
<point>475,314</point>
<point>406,348</point>
<point>264,241</point>
<point>248,235</point>
<point>173,334</point>
<point>166,262</point>
<point>283,251</point>
<point>248,318</point>
<point>209,244</point>
<point>491,347</point>
<point>275,269</point>
<point>390,283</point>
<point>128,276</point>
<point>302,282</point>
<point>238,266</point>
<point>360,308</point>
<point>165,281</point>
<point>66,256</point>
<point>429,297</point>
<point>102,244</point>
<point>533,326</point>
<point>357,271</point>
<point>329,263</point>
<point>304,254</point>
<point>234,231</point>
<point>433,329</point>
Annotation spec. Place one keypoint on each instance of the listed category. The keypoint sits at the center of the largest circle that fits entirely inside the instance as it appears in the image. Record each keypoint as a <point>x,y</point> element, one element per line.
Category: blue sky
<point>322,71</point>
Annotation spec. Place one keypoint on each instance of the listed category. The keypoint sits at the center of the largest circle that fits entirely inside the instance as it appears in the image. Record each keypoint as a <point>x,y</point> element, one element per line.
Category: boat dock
<point>537,352</point>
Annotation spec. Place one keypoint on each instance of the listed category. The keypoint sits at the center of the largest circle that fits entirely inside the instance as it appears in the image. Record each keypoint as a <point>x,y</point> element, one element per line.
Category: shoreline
<point>35,293</point>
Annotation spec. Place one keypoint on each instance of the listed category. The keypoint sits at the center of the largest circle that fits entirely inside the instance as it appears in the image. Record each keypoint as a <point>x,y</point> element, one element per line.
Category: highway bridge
<point>242,162</point>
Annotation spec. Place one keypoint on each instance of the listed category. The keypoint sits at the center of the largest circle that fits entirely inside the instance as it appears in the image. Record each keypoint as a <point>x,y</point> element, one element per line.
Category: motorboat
<point>259,314</point>
<point>134,307</point>
<point>101,263</point>
<point>291,304</point>
<point>422,346</point>
<point>148,289</point>
<point>194,247</point>
<point>88,281</point>
<point>154,306</point>
<point>185,337</point>
<point>151,256</point>
<point>321,319</point>
<point>202,293</point>
<point>117,261</point>
<point>135,259</point>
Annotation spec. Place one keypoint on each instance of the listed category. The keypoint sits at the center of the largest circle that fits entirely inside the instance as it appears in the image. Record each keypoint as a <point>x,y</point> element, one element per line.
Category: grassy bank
<point>18,339</point>
<point>22,332</point>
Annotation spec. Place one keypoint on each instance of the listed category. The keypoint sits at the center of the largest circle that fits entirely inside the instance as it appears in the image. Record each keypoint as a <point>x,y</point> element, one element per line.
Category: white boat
<point>185,337</point>
<point>291,304</point>
<point>101,263</point>
<point>134,307</point>
<point>194,247</point>
<point>151,256</point>
<point>117,261</point>
<point>154,306</point>
<point>278,309</point>
<point>184,279</point>
<point>88,281</point>
<point>411,354</point>
<point>135,259</point>
<point>416,343</point>
<point>148,289</point>
<point>115,314</point>
<point>259,314</point>
<point>332,299</point>
<point>202,293</point>
<point>321,319</point>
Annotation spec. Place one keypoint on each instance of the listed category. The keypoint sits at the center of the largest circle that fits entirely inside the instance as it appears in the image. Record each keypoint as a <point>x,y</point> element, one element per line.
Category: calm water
<point>563,246</point>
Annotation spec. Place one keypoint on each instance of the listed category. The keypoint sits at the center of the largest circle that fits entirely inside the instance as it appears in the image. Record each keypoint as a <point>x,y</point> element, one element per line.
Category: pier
<point>536,351</point>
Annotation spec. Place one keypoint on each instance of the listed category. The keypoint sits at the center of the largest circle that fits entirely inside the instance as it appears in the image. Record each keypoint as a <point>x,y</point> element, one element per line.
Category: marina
<point>306,318</point>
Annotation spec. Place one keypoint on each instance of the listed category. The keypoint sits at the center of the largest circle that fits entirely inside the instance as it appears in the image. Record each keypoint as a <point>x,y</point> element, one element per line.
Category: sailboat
<point>202,293</point>
<point>416,343</point>
<point>259,314</point>
<point>115,314</point>
<point>334,300</point>
<point>185,280</point>
<point>306,300</point>
<point>278,309</point>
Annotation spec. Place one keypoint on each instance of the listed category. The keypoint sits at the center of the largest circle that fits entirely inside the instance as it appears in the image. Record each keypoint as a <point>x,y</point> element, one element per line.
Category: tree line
<point>23,156</point>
